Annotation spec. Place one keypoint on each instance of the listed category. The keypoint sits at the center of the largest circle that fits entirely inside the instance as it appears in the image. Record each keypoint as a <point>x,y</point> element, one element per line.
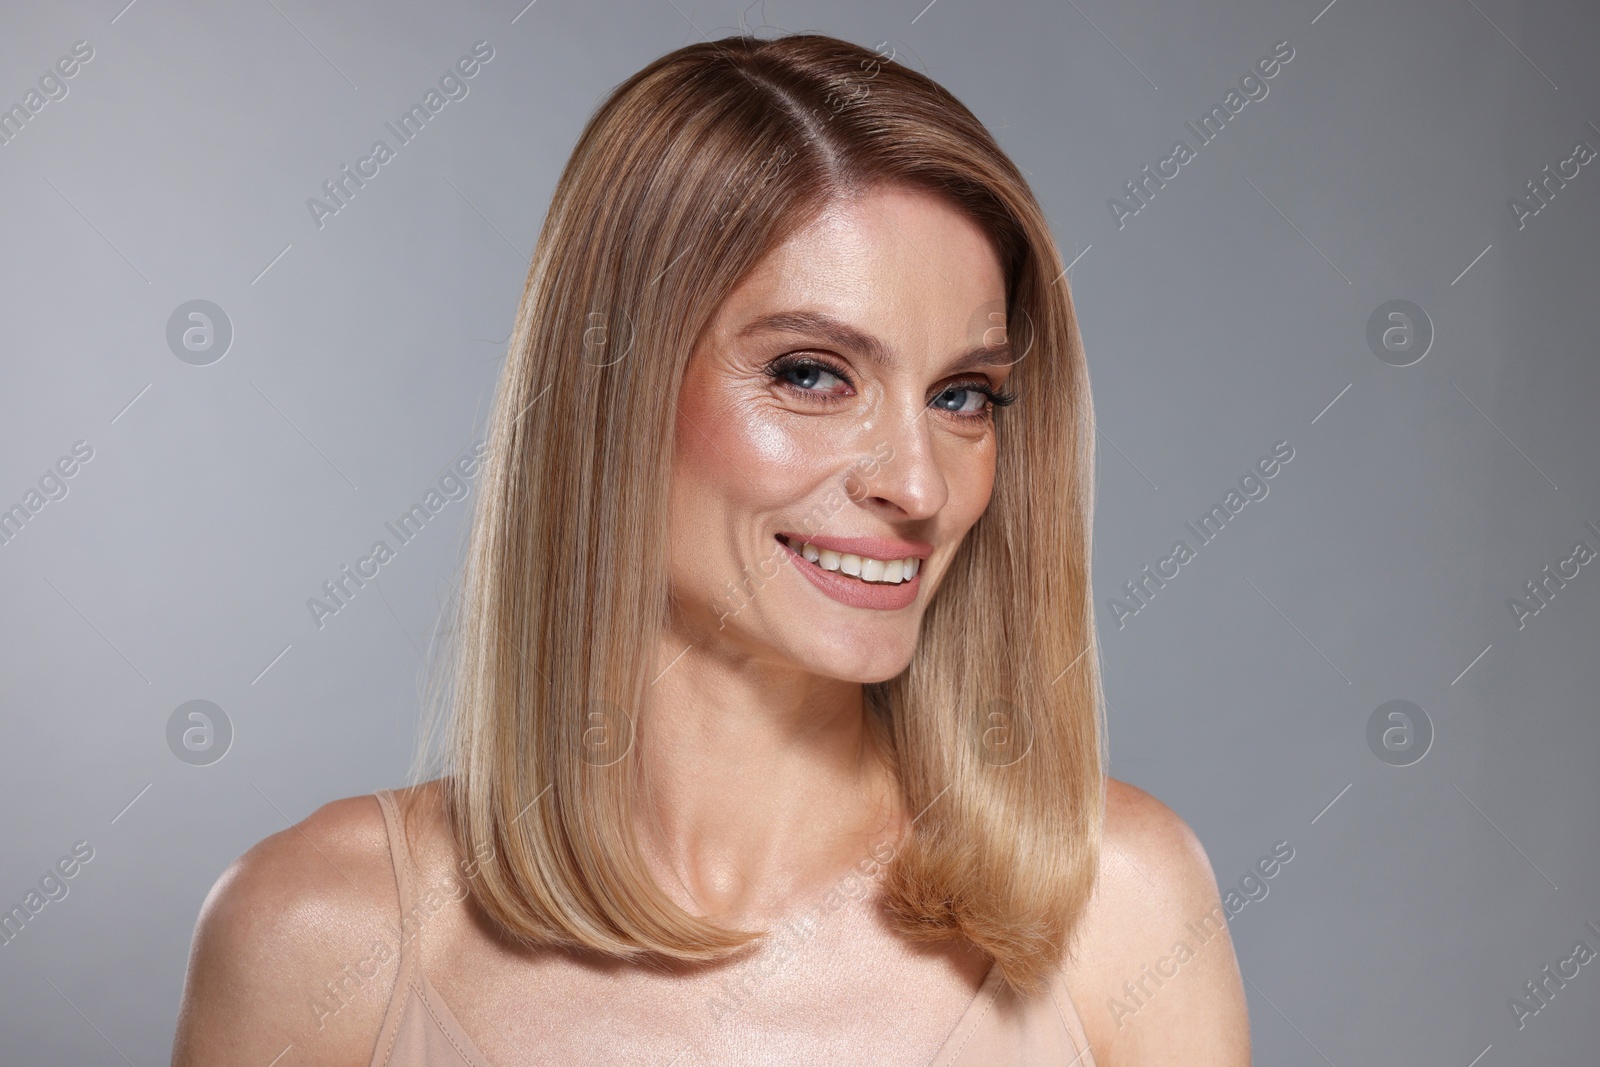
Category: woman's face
<point>829,402</point>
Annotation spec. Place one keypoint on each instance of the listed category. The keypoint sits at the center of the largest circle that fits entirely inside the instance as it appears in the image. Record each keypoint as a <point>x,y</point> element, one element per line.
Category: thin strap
<point>989,991</point>
<point>1071,1020</point>
<point>410,962</point>
<point>397,846</point>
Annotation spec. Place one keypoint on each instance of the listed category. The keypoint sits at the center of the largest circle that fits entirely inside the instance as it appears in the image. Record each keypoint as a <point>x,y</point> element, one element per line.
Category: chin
<point>861,658</point>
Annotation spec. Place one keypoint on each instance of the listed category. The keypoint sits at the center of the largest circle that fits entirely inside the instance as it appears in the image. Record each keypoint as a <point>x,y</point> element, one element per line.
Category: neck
<point>763,784</point>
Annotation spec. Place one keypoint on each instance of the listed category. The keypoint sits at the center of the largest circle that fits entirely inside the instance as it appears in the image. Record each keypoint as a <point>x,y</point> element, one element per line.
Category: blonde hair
<point>689,173</point>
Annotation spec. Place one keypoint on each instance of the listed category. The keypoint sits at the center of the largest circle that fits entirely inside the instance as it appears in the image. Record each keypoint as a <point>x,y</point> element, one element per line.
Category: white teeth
<point>877,571</point>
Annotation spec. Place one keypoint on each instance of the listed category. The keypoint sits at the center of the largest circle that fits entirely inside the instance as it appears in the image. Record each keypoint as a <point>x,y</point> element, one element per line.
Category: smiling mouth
<point>863,568</point>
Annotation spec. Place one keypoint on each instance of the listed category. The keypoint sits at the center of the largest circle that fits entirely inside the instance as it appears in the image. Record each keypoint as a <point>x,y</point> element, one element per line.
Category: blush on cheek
<point>748,449</point>
<point>764,439</point>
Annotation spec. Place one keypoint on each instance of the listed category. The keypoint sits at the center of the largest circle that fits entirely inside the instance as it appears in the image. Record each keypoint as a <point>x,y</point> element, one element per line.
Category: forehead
<point>897,261</point>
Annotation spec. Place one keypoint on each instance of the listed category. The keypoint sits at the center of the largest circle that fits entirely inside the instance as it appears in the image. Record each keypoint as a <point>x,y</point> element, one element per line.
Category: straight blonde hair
<point>689,173</point>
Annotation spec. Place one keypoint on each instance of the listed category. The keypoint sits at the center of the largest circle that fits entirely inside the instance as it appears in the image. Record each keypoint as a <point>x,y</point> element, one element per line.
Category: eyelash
<point>997,398</point>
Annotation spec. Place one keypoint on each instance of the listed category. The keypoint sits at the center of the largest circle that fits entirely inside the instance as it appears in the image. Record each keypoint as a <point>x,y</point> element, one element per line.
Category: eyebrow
<point>843,335</point>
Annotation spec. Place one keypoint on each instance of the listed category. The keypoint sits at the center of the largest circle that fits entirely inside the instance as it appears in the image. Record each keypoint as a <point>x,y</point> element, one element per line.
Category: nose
<point>900,474</point>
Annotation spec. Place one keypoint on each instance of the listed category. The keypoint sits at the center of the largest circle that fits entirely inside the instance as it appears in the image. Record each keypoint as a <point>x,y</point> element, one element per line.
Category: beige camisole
<point>997,1028</point>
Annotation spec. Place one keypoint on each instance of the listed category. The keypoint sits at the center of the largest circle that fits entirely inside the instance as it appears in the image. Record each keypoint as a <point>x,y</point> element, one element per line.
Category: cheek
<point>972,472</point>
<point>738,451</point>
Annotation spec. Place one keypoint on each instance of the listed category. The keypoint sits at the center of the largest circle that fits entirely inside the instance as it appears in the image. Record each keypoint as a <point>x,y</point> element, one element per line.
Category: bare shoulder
<point>1154,975</point>
<point>295,949</point>
<point>1148,840</point>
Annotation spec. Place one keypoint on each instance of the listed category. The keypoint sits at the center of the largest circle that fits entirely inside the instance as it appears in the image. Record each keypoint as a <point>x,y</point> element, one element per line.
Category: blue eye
<point>959,398</point>
<point>805,374</point>
<point>975,399</point>
<point>956,398</point>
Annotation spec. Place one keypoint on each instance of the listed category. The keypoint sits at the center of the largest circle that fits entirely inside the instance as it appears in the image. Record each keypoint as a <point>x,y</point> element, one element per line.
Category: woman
<point>775,731</point>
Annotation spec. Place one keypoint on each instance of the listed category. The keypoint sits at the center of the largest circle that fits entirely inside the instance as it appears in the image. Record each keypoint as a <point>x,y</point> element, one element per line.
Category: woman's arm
<point>283,966</point>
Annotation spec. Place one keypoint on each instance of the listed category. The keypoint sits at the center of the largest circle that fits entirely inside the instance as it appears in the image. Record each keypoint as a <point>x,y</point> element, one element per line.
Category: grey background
<point>1227,315</point>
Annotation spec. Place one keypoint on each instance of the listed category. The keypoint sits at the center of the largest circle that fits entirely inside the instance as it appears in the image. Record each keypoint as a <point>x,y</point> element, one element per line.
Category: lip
<point>882,548</point>
<point>853,591</point>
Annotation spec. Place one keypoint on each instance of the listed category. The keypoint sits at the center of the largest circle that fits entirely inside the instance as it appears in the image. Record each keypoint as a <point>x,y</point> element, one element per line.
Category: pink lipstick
<point>856,592</point>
